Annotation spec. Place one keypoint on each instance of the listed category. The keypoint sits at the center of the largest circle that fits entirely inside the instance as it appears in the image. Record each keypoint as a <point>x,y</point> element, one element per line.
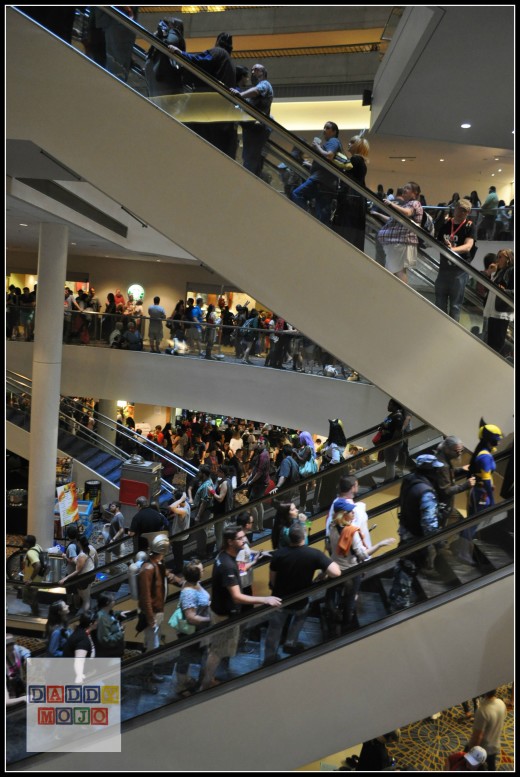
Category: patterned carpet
<point>424,746</point>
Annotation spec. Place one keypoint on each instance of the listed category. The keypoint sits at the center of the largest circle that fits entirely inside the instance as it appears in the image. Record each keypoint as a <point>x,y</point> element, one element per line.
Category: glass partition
<point>209,108</point>
<point>192,666</point>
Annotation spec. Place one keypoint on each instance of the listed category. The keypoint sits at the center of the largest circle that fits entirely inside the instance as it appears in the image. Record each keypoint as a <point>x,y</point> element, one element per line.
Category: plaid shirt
<point>395,232</point>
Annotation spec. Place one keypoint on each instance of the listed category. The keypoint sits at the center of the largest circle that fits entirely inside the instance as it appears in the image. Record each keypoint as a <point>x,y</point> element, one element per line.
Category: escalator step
<point>370,608</point>
<point>447,562</point>
<point>494,555</point>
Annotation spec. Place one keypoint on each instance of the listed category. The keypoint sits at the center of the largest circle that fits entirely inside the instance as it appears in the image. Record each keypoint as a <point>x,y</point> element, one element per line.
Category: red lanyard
<point>460,225</point>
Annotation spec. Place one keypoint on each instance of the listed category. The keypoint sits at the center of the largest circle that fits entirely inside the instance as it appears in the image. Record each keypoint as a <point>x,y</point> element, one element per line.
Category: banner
<point>67,503</point>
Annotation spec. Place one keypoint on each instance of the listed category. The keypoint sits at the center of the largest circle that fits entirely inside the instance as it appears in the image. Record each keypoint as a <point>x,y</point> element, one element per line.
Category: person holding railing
<point>400,243</point>
<point>254,134</point>
<point>458,234</point>
<point>321,185</point>
<point>215,62</point>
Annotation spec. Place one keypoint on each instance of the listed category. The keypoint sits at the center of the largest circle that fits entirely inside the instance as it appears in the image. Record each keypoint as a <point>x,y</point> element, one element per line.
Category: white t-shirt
<point>360,520</point>
<point>235,444</point>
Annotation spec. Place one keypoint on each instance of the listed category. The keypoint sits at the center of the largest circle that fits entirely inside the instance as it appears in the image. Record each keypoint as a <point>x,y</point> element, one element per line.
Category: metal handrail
<point>304,147</point>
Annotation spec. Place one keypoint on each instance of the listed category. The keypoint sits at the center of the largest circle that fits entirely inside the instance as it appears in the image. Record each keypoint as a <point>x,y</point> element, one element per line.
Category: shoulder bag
<point>180,624</point>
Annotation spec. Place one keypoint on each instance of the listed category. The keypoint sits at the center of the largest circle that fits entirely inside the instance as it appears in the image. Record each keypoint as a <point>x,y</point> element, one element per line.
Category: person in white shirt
<point>348,487</point>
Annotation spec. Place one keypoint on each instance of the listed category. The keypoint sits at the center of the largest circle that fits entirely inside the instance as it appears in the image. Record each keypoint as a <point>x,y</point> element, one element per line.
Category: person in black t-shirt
<point>292,569</point>
<point>226,601</point>
<point>458,234</point>
<point>145,522</point>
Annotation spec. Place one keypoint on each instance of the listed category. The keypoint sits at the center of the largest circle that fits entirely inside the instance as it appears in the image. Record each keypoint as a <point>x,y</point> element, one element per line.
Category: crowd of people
<point>426,505</point>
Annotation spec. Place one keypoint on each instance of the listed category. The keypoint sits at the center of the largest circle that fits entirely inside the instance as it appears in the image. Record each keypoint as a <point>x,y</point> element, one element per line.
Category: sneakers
<point>353,376</point>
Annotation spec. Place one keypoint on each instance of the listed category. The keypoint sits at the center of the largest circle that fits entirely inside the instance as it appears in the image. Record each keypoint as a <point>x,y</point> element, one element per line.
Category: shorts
<point>224,644</point>
<point>399,256</point>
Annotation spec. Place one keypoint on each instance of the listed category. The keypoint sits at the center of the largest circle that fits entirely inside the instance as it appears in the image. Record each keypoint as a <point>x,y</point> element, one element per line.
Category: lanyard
<point>453,233</point>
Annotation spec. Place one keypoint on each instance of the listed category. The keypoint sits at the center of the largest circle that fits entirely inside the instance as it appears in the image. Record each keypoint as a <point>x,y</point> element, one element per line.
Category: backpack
<point>427,223</point>
<point>246,329</point>
<point>43,559</point>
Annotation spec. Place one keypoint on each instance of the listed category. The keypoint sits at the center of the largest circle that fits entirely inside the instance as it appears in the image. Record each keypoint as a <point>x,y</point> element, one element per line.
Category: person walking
<point>487,728</point>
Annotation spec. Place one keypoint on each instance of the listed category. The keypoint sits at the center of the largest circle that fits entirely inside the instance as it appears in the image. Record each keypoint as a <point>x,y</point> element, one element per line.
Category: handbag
<point>378,437</point>
<point>180,624</point>
<point>309,468</point>
<point>141,624</point>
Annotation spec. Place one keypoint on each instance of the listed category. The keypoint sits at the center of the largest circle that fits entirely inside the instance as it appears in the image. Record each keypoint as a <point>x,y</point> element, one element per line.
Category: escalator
<point>396,339</point>
<point>394,668</point>
<point>93,448</point>
<point>324,640</point>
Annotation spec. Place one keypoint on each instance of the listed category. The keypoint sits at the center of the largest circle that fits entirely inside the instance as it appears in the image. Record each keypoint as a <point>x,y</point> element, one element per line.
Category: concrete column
<point>107,407</point>
<point>46,377</point>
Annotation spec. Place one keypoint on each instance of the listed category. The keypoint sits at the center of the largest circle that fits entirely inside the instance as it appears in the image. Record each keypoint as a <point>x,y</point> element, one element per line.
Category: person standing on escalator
<point>254,134</point>
<point>215,62</point>
<point>418,518</point>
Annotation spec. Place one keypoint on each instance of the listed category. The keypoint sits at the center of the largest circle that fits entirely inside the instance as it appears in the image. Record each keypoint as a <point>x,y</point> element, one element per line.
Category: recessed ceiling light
<point>73,244</point>
<point>465,126</point>
<point>441,160</point>
<point>496,159</point>
<point>499,169</point>
<point>492,175</point>
<point>403,160</point>
<point>23,225</point>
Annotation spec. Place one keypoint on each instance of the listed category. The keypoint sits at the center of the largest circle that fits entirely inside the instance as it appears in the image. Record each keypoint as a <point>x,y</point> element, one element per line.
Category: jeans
<point>313,190</point>
<point>449,292</point>
<point>277,622</point>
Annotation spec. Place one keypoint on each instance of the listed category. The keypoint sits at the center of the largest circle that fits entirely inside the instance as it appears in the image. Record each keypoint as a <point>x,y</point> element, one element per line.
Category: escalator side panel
<point>239,227</point>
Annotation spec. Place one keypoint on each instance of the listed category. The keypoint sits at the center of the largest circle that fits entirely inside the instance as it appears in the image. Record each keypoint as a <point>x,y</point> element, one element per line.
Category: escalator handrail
<point>304,147</point>
<point>156,450</point>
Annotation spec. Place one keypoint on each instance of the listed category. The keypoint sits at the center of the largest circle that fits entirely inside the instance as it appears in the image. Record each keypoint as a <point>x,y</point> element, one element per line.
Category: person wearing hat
<point>418,518</point>
<point>348,548</point>
<point>487,728</point>
<point>152,594</point>
<point>482,465</point>
<point>472,761</point>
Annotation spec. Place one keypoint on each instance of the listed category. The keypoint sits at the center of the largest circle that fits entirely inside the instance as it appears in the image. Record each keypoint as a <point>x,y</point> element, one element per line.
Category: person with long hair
<point>57,631</point>
<point>350,216</point>
<point>498,313</point>
<point>306,458</point>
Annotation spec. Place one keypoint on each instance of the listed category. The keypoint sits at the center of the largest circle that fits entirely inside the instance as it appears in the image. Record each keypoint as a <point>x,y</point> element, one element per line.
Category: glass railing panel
<point>316,616</point>
<point>72,419</point>
<point>208,107</point>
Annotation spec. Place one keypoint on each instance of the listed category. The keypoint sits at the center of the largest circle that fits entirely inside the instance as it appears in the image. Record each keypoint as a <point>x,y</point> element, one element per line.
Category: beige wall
<point>166,280</point>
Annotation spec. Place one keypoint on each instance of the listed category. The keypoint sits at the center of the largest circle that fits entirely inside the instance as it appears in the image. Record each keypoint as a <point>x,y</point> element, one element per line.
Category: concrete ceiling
<point>462,69</point>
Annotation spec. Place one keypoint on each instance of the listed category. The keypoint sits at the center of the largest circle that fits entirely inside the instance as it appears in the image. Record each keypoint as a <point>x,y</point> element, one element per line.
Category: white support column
<point>107,407</point>
<point>46,378</point>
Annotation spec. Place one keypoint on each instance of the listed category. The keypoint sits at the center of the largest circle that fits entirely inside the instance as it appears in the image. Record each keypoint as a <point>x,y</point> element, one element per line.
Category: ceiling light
<point>496,159</point>
<point>403,160</point>
<point>441,160</point>
<point>499,169</point>
<point>492,175</point>
<point>73,244</point>
<point>465,126</point>
<point>23,225</point>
